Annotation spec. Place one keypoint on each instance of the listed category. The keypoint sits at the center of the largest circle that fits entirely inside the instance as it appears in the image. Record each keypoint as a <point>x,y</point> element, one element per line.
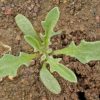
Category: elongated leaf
<point>25,25</point>
<point>51,19</point>
<point>49,24</point>
<point>84,52</point>
<point>49,81</point>
<point>9,63</point>
<point>33,42</point>
<point>62,70</point>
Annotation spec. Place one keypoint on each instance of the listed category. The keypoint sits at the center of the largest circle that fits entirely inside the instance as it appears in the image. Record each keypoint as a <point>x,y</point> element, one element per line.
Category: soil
<point>80,19</point>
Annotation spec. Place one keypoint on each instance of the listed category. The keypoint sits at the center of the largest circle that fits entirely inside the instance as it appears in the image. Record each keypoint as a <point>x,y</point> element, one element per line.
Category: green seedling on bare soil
<point>84,52</point>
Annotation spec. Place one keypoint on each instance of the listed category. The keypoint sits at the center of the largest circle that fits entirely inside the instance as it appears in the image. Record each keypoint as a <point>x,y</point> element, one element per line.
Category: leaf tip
<point>17,16</point>
<point>56,10</point>
<point>74,80</point>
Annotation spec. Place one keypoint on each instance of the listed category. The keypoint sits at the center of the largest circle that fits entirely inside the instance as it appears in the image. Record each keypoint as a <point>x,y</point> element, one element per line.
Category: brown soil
<point>80,19</point>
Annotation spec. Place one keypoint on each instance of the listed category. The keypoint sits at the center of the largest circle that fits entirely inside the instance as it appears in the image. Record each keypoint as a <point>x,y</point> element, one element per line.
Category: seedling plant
<point>84,52</point>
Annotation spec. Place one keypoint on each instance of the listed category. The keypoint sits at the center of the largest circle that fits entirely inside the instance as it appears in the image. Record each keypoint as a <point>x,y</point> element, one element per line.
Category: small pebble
<point>2,0</point>
<point>0,14</point>
<point>18,38</point>
<point>97,19</point>
<point>65,42</point>
<point>33,62</point>
<point>8,11</point>
<point>44,98</point>
<point>36,9</point>
<point>36,1</point>
<point>65,59</point>
<point>1,79</point>
<point>11,77</point>
<point>57,1</point>
<point>34,15</point>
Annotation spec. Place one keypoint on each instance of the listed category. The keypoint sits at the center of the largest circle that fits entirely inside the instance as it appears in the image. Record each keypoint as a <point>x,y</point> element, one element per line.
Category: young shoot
<point>84,52</point>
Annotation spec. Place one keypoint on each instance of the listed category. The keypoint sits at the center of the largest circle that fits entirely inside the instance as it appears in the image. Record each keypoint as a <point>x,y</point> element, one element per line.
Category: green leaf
<point>49,81</point>
<point>62,70</point>
<point>9,63</point>
<point>84,52</point>
<point>49,24</point>
<point>33,42</point>
<point>25,25</point>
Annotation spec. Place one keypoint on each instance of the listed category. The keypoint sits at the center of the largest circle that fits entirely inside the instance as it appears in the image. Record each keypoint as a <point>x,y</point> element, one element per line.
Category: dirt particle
<point>18,38</point>
<point>36,9</point>
<point>1,79</point>
<point>66,59</point>
<point>64,42</point>
<point>33,62</point>
<point>97,19</point>
<point>8,11</point>
<point>81,95</point>
<point>31,7</point>
<point>44,98</point>
<point>56,1</point>
<point>4,48</point>
<point>2,0</point>
<point>11,77</point>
